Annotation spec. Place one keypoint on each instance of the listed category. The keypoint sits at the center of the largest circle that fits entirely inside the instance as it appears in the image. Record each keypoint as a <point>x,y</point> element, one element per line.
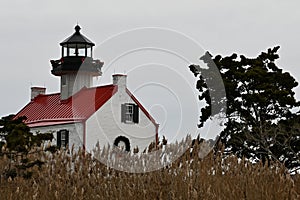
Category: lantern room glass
<point>81,52</point>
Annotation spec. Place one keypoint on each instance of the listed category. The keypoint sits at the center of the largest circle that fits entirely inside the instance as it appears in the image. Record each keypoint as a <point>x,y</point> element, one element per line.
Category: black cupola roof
<point>76,57</point>
<point>77,40</point>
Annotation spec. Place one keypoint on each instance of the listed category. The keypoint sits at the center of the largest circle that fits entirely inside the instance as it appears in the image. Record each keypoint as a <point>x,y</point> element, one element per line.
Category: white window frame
<point>129,113</point>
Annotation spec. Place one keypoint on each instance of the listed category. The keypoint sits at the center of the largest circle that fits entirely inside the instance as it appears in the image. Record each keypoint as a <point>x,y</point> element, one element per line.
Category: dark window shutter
<point>123,112</point>
<point>67,138</point>
<point>58,138</point>
<point>135,114</point>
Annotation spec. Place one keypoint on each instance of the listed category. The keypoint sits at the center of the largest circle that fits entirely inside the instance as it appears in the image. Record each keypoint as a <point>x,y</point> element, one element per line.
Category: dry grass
<point>79,176</point>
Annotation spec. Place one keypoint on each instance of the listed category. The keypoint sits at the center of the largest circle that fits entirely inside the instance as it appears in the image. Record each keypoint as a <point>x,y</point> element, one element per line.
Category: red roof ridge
<point>56,93</point>
<point>86,88</point>
<point>44,95</point>
<point>90,88</point>
<point>75,95</point>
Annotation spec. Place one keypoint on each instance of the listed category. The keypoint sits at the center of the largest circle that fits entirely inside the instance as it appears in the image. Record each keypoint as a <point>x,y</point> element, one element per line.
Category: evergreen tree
<point>260,124</point>
<point>17,141</point>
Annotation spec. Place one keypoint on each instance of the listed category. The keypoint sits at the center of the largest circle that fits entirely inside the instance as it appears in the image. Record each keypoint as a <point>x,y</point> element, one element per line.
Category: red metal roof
<point>46,110</point>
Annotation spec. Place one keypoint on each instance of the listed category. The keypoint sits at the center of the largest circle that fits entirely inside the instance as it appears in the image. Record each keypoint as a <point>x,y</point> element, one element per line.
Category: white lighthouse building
<point>81,114</point>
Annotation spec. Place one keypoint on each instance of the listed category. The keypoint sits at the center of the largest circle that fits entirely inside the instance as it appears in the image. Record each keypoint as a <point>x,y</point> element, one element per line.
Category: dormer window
<point>129,113</point>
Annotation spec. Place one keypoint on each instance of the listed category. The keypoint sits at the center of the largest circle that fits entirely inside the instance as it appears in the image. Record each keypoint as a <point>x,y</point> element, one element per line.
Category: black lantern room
<point>76,56</point>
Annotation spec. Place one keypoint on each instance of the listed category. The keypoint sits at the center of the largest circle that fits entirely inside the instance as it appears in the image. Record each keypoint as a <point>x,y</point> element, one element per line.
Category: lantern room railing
<point>76,64</point>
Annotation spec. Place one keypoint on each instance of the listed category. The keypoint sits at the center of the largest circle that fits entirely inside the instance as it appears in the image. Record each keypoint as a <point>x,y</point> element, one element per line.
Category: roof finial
<point>77,28</point>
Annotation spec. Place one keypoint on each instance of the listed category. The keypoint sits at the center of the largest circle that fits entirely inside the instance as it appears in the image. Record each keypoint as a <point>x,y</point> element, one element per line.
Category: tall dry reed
<point>77,175</point>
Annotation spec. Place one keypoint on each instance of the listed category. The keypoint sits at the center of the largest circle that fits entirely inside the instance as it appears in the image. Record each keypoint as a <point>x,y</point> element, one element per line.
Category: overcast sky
<point>32,30</point>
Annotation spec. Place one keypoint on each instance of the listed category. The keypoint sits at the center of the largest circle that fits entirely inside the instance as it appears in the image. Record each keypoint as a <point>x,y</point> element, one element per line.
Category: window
<point>63,138</point>
<point>129,113</point>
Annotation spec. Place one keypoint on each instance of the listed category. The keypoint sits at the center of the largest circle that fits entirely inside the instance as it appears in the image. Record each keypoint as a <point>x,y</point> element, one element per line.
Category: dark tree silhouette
<point>260,124</point>
<point>17,142</point>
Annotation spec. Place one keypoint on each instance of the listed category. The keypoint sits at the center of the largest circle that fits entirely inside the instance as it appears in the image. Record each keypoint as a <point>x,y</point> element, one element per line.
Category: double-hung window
<point>129,113</point>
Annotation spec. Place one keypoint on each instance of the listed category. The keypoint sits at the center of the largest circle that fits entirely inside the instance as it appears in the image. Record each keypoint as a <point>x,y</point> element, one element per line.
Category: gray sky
<point>31,31</point>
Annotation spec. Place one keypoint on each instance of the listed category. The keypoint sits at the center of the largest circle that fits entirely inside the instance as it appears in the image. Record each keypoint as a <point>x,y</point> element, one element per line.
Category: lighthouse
<point>82,115</point>
<point>76,67</point>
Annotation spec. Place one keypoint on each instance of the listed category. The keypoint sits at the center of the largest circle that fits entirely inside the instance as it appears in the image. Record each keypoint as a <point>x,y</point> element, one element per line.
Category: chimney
<point>120,81</point>
<point>35,91</point>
